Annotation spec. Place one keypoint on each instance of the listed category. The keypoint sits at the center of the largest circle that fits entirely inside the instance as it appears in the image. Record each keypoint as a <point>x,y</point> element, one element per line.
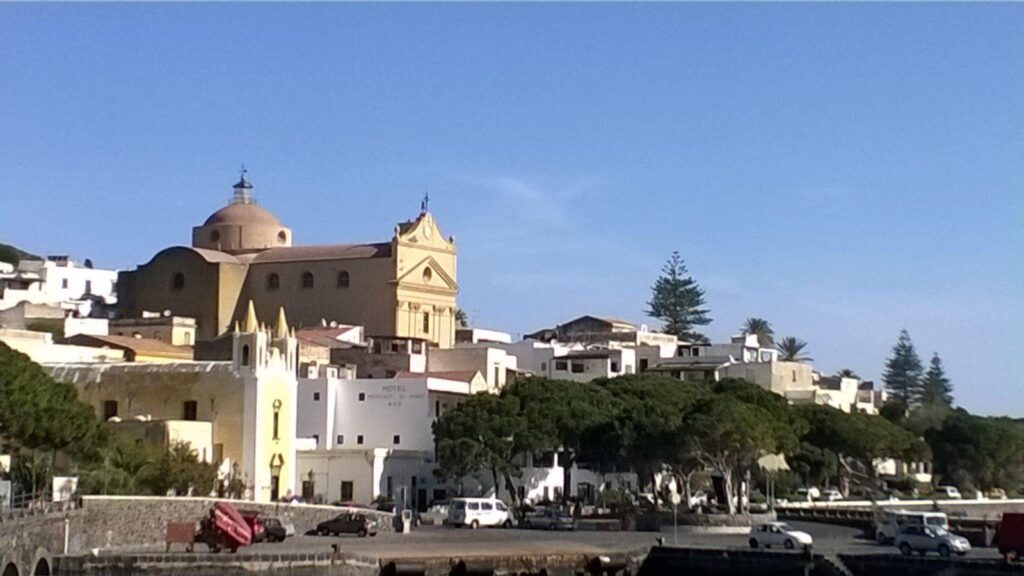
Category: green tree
<point>561,416</point>
<point>847,373</point>
<point>461,318</point>
<point>485,431</point>
<point>976,452</point>
<point>935,388</point>
<point>792,350</point>
<point>646,427</point>
<point>179,469</point>
<point>677,300</point>
<point>762,329</point>
<point>903,371</point>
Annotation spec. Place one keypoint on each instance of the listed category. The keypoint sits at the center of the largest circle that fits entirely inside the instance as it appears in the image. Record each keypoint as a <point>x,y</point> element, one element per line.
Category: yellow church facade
<point>404,287</point>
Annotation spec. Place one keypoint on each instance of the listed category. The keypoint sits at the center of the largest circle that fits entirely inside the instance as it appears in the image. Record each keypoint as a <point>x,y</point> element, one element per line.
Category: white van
<point>477,512</point>
<point>897,519</point>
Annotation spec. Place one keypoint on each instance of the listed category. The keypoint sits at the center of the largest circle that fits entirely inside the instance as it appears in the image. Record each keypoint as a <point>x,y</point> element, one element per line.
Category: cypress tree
<point>903,371</point>
<point>935,388</point>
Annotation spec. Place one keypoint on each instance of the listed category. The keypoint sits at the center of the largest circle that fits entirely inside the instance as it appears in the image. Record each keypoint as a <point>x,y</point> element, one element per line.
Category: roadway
<point>443,541</point>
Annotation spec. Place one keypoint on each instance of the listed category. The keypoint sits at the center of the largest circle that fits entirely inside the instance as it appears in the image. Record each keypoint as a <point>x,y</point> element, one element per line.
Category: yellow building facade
<point>250,401</point>
<point>405,287</point>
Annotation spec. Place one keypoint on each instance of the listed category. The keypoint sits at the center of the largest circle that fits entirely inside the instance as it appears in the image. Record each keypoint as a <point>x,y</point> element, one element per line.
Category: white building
<point>496,365</point>
<point>57,281</point>
<point>373,437</point>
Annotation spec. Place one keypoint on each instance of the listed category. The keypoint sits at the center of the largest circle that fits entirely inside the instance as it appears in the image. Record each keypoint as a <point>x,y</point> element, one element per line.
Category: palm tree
<point>762,329</point>
<point>847,373</point>
<point>792,349</point>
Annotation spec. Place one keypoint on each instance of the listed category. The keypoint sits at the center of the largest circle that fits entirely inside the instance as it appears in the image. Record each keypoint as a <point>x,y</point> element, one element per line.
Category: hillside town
<point>321,373</point>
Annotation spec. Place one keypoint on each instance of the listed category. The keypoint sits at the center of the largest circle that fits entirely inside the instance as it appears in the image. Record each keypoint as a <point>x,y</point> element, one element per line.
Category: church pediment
<point>429,274</point>
<point>424,232</point>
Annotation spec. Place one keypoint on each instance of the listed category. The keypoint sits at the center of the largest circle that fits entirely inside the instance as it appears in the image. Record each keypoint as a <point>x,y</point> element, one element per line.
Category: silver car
<point>924,539</point>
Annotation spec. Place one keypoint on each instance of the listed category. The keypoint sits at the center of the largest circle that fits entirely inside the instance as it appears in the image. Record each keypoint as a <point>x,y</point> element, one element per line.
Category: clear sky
<point>843,171</point>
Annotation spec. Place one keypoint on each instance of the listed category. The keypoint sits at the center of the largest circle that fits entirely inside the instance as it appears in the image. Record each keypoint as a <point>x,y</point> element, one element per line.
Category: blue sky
<point>843,170</point>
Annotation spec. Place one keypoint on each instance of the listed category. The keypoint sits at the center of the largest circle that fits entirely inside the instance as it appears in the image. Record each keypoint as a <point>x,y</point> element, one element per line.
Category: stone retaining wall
<point>132,522</point>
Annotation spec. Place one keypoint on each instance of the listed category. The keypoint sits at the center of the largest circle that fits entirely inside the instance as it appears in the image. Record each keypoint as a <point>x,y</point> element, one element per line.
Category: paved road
<point>442,541</point>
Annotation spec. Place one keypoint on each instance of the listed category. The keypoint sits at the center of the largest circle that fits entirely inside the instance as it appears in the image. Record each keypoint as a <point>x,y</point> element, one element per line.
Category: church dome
<point>242,226</point>
<point>241,215</point>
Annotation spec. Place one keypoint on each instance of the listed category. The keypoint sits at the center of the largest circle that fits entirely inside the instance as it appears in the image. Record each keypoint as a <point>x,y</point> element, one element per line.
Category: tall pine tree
<point>677,300</point>
<point>935,388</point>
<point>903,372</point>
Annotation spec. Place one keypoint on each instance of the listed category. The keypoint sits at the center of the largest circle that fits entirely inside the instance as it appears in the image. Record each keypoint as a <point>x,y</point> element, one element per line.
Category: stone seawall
<point>132,522</point>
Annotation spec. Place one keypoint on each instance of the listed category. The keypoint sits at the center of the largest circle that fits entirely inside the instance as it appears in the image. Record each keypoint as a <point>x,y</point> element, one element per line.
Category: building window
<point>341,439</point>
<point>277,419</point>
<point>397,439</point>
<point>215,236</point>
<point>794,375</point>
<point>109,409</point>
<point>282,236</point>
<point>391,488</point>
<point>64,283</point>
<point>561,365</point>
<point>577,367</point>
<point>245,354</point>
<point>428,274</point>
<point>307,279</point>
<point>362,396</point>
<point>191,410</point>
<point>426,322</point>
<point>88,286</point>
<point>347,489</point>
<point>417,347</point>
<point>359,439</point>
<point>187,338</point>
<point>316,439</point>
<point>316,396</point>
<point>343,279</point>
<point>615,366</point>
<point>437,408</point>
<point>273,281</point>
<point>377,348</point>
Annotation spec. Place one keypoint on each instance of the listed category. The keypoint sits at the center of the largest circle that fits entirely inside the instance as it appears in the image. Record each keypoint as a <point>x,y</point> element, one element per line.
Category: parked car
<point>348,523</point>
<point>896,520</point>
<point>698,498</point>
<point>830,495</point>
<point>477,512</point>
<point>807,494</point>
<point>273,529</point>
<point>1010,535</point>
<point>924,539</point>
<point>779,534</point>
<point>950,492</point>
<point>549,519</point>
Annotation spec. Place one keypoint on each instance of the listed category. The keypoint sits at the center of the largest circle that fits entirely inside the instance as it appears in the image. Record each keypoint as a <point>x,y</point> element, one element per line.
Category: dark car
<point>348,523</point>
<point>549,519</point>
<point>273,529</point>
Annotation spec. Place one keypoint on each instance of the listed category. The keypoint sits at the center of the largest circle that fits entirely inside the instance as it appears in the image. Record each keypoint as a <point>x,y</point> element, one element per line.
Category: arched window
<point>282,237</point>
<point>427,275</point>
<point>245,355</point>
<point>215,236</point>
<point>177,281</point>
<point>343,279</point>
<point>273,281</point>
<point>307,279</point>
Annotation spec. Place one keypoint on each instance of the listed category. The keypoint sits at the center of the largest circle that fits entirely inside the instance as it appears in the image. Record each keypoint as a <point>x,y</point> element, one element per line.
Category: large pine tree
<point>677,300</point>
<point>935,388</point>
<point>903,372</point>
